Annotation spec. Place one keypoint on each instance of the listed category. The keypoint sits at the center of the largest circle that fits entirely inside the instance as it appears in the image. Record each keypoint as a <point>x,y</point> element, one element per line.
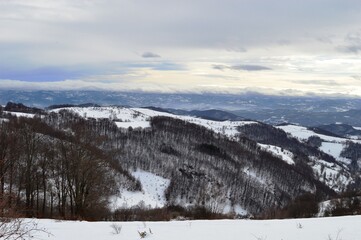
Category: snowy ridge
<point>284,154</point>
<point>140,117</point>
<point>21,114</point>
<point>123,117</point>
<point>228,128</point>
<point>303,133</point>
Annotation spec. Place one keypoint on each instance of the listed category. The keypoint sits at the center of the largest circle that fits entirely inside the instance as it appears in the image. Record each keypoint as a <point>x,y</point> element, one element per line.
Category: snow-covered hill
<point>140,117</point>
<point>328,173</point>
<point>333,175</point>
<point>191,160</point>
<point>330,145</point>
<point>335,228</point>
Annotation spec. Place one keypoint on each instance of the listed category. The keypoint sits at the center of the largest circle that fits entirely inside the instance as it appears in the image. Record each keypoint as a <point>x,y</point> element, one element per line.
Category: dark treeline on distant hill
<point>343,130</point>
<point>72,105</point>
<point>19,107</point>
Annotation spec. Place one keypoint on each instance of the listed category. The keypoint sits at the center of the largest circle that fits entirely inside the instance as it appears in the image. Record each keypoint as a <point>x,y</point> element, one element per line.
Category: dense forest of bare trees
<point>53,173</point>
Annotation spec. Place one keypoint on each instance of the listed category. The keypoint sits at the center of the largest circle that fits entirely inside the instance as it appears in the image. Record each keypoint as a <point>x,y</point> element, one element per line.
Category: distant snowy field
<point>345,228</point>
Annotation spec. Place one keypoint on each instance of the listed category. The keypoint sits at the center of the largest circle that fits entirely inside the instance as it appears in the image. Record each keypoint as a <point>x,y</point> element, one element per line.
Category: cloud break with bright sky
<point>229,46</point>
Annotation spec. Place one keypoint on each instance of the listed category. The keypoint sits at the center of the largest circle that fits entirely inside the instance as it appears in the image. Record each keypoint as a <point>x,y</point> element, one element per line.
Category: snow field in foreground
<point>347,228</point>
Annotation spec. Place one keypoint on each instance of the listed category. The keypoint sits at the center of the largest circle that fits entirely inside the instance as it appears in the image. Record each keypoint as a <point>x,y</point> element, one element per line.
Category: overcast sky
<point>280,47</point>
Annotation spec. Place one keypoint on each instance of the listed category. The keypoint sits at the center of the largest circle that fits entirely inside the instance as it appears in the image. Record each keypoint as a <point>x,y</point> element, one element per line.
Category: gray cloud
<point>318,82</point>
<point>220,67</point>
<point>236,49</point>
<point>150,55</point>
<point>352,49</point>
<point>356,77</point>
<point>250,68</point>
<point>245,23</point>
<point>284,42</point>
<point>325,39</point>
<point>352,43</point>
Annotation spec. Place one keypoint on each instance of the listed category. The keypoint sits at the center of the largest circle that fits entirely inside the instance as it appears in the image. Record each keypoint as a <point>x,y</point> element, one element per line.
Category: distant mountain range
<point>211,114</point>
<point>306,111</point>
<point>304,118</point>
<point>342,130</point>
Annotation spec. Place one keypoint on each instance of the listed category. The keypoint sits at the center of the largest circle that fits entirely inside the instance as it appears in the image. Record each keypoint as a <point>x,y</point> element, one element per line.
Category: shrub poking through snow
<point>117,228</point>
<point>143,234</point>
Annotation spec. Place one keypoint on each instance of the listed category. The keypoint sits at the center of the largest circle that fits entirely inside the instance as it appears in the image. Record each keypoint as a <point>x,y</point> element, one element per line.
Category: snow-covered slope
<point>330,145</point>
<point>335,228</point>
<point>303,133</point>
<point>20,114</point>
<point>152,194</point>
<point>284,154</point>
<point>333,175</point>
<point>334,149</point>
<point>140,117</point>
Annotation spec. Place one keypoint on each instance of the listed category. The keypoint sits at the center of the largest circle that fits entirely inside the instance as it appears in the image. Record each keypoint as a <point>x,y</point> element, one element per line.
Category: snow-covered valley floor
<point>345,228</point>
